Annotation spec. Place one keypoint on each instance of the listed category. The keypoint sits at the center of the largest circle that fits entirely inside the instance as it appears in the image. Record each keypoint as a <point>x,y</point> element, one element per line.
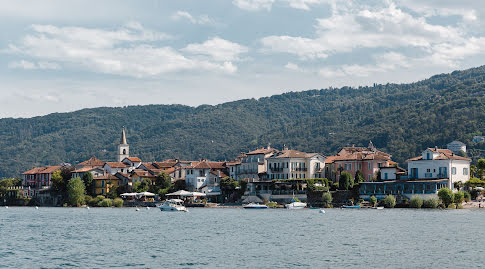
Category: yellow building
<point>104,184</point>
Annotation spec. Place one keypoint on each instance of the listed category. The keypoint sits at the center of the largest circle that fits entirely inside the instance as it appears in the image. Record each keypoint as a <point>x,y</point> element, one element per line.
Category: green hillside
<point>401,119</point>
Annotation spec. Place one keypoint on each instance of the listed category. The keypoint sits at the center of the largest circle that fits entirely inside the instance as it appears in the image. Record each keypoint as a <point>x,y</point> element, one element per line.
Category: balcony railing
<point>277,169</point>
<point>299,169</point>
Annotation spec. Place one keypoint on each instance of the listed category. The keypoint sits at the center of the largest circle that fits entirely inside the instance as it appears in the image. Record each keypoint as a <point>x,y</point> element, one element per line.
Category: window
<point>369,164</point>
<point>102,183</point>
<point>453,170</point>
<point>465,171</point>
<point>428,170</point>
<point>428,156</point>
<point>369,177</point>
<point>124,151</point>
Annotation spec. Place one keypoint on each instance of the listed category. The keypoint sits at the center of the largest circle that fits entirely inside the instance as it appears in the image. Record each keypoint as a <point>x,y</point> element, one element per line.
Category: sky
<point>61,56</point>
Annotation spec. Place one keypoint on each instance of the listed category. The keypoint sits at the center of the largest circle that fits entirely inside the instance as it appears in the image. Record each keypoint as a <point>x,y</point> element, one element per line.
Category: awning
<point>145,193</point>
<point>198,194</point>
<point>128,194</point>
<point>180,193</point>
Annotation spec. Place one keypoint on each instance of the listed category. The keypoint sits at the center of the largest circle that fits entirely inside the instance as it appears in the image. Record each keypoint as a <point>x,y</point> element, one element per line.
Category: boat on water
<point>378,207</point>
<point>255,206</point>
<point>351,206</point>
<point>173,205</point>
<point>295,205</point>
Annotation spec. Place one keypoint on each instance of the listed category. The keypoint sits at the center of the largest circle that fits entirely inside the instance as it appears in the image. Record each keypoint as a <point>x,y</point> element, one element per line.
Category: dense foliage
<point>416,202</point>
<point>402,119</point>
<point>75,192</point>
<point>446,196</point>
<point>389,201</point>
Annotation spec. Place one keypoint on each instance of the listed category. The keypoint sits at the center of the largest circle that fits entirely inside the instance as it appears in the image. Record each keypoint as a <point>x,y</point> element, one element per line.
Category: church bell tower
<point>123,147</point>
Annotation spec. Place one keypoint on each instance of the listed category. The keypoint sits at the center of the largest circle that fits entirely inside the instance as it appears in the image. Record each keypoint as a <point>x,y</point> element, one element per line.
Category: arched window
<point>124,151</point>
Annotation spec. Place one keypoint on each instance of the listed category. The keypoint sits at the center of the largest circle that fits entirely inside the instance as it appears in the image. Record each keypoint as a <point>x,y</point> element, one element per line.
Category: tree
<point>481,168</point>
<point>389,201</point>
<point>473,171</point>
<point>458,198</point>
<point>75,191</point>
<point>327,199</point>
<point>359,177</point>
<point>57,181</point>
<point>88,183</point>
<point>345,181</point>
<point>446,196</point>
<point>142,186</point>
<point>373,201</point>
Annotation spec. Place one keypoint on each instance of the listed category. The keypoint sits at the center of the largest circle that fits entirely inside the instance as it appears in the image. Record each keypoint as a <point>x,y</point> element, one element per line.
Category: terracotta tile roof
<point>42,170</point>
<point>330,159</point>
<point>289,153</point>
<point>93,161</point>
<point>85,169</point>
<point>149,166</point>
<point>207,165</point>
<point>444,154</point>
<point>262,151</point>
<point>117,165</point>
<point>360,153</point>
<point>167,163</point>
<point>233,163</point>
<point>141,173</point>
<point>133,159</point>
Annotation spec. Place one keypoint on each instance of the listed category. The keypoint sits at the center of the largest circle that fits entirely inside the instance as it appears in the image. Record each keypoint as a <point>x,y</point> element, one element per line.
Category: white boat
<point>173,205</point>
<point>255,206</point>
<point>295,205</point>
<point>378,207</point>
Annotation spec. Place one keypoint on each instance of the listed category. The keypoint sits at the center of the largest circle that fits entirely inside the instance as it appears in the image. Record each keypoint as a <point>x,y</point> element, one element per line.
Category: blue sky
<point>58,56</point>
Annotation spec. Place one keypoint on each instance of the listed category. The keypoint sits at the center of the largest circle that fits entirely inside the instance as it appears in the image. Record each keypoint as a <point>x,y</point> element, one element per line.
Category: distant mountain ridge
<point>401,119</point>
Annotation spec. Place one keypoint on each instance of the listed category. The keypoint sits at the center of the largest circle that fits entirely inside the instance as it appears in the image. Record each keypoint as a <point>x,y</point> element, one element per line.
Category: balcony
<point>298,169</point>
<point>277,170</point>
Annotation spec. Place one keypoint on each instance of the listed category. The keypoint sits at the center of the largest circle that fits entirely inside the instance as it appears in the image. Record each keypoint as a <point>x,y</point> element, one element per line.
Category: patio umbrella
<point>182,193</point>
<point>198,194</point>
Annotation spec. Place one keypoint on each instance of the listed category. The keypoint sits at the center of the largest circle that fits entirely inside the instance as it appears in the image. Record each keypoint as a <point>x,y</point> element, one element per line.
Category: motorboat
<point>295,205</point>
<point>378,207</point>
<point>351,206</point>
<point>173,205</point>
<point>255,206</point>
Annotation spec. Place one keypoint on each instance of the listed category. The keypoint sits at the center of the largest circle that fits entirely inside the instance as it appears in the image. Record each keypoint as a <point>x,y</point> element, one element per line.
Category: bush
<point>373,201</point>
<point>95,201</point>
<point>75,191</point>
<point>389,201</point>
<point>272,204</point>
<point>87,199</point>
<point>416,202</point>
<point>106,203</point>
<point>446,196</point>
<point>327,199</point>
<point>118,202</point>
<point>467,197</point>
<point>458,198</point>
<point>431,203</point>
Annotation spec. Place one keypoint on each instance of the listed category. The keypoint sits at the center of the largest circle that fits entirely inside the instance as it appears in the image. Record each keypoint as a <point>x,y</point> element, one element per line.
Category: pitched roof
<point>142,173</point>
<point>207,165</point>
<point>261,151</point>
<point>219,173</point>
<point>117,165</point>
<point>93,161</point>
<point>133,159</point>
<point>289,153</point>
<point>42,170</point>
<point>444,154</point>
<point>85,169</point>
<point>106,176</point>
<point>166,163</point>
<point>360,153</point>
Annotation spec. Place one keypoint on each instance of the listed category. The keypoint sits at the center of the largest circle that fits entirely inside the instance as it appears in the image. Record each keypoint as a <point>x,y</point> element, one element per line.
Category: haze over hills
<point>401,119</point>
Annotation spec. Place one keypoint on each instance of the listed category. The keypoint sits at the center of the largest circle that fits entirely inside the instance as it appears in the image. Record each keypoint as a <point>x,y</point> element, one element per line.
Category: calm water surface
<point>230,238</point>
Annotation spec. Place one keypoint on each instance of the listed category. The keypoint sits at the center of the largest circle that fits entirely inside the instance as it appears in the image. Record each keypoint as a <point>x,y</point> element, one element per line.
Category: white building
<point>292,164</point>
<point>254,163</point>
<point>123,147</point>
<point>437,163</point>
<point>456,147</point>
<point>204,173</point>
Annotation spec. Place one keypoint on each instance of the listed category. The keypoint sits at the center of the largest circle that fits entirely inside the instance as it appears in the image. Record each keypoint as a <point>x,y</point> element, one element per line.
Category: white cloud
<point>23,64</point>
<point>304,4</point>
<point>128,51</point>
<point>352,27</point>
<point>203,19</point>
<point>254,5</point>
<point>219,49</point>
<point>292,66</point>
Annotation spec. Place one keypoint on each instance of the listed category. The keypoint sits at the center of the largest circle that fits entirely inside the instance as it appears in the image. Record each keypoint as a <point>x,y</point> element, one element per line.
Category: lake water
<point>232,238</point>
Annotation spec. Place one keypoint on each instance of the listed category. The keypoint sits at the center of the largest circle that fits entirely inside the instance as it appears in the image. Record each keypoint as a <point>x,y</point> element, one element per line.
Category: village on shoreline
<point>363,176</point>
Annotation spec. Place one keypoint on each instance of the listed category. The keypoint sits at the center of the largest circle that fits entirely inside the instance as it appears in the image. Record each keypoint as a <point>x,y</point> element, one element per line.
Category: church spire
<point>123,137</point>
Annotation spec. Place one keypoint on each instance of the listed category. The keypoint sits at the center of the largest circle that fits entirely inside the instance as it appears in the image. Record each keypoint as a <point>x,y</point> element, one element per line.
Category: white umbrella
<point>128,194</point>
<point>198,194</point>
<point>479,188</point>
<point>145,193</point>
<point>180,193</point>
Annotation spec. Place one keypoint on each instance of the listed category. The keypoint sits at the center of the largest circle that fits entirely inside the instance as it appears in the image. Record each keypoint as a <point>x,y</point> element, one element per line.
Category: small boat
<point>295,205</point>
<point>148,208</point>
<point>173,205</point>
<point>351,206</point>
<point>6,206</point>
<point>87,207</point>
<point>378,207</point>
<point>137,209</point>
<point>36,207</point>
<point>322,211</point>
<point>255,206</point>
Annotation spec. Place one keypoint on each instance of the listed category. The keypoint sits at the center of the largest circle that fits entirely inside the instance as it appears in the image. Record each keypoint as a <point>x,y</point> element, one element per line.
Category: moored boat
<point>173,205</point>
<point>378,207</point>
<point>255,206</point>
<point>295,205</point>
<point>351,206</point>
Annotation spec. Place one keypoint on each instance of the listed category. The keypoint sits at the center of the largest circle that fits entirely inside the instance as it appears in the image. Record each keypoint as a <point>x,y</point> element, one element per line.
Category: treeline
<point>402,119</point>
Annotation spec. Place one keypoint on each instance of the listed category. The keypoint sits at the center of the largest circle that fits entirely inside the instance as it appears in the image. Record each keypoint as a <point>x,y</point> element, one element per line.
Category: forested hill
<point>401,119</point>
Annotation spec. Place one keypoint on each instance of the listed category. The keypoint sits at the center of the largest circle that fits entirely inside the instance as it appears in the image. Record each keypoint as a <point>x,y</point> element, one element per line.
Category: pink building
<point>367,160</point>
<point>38,177</point>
